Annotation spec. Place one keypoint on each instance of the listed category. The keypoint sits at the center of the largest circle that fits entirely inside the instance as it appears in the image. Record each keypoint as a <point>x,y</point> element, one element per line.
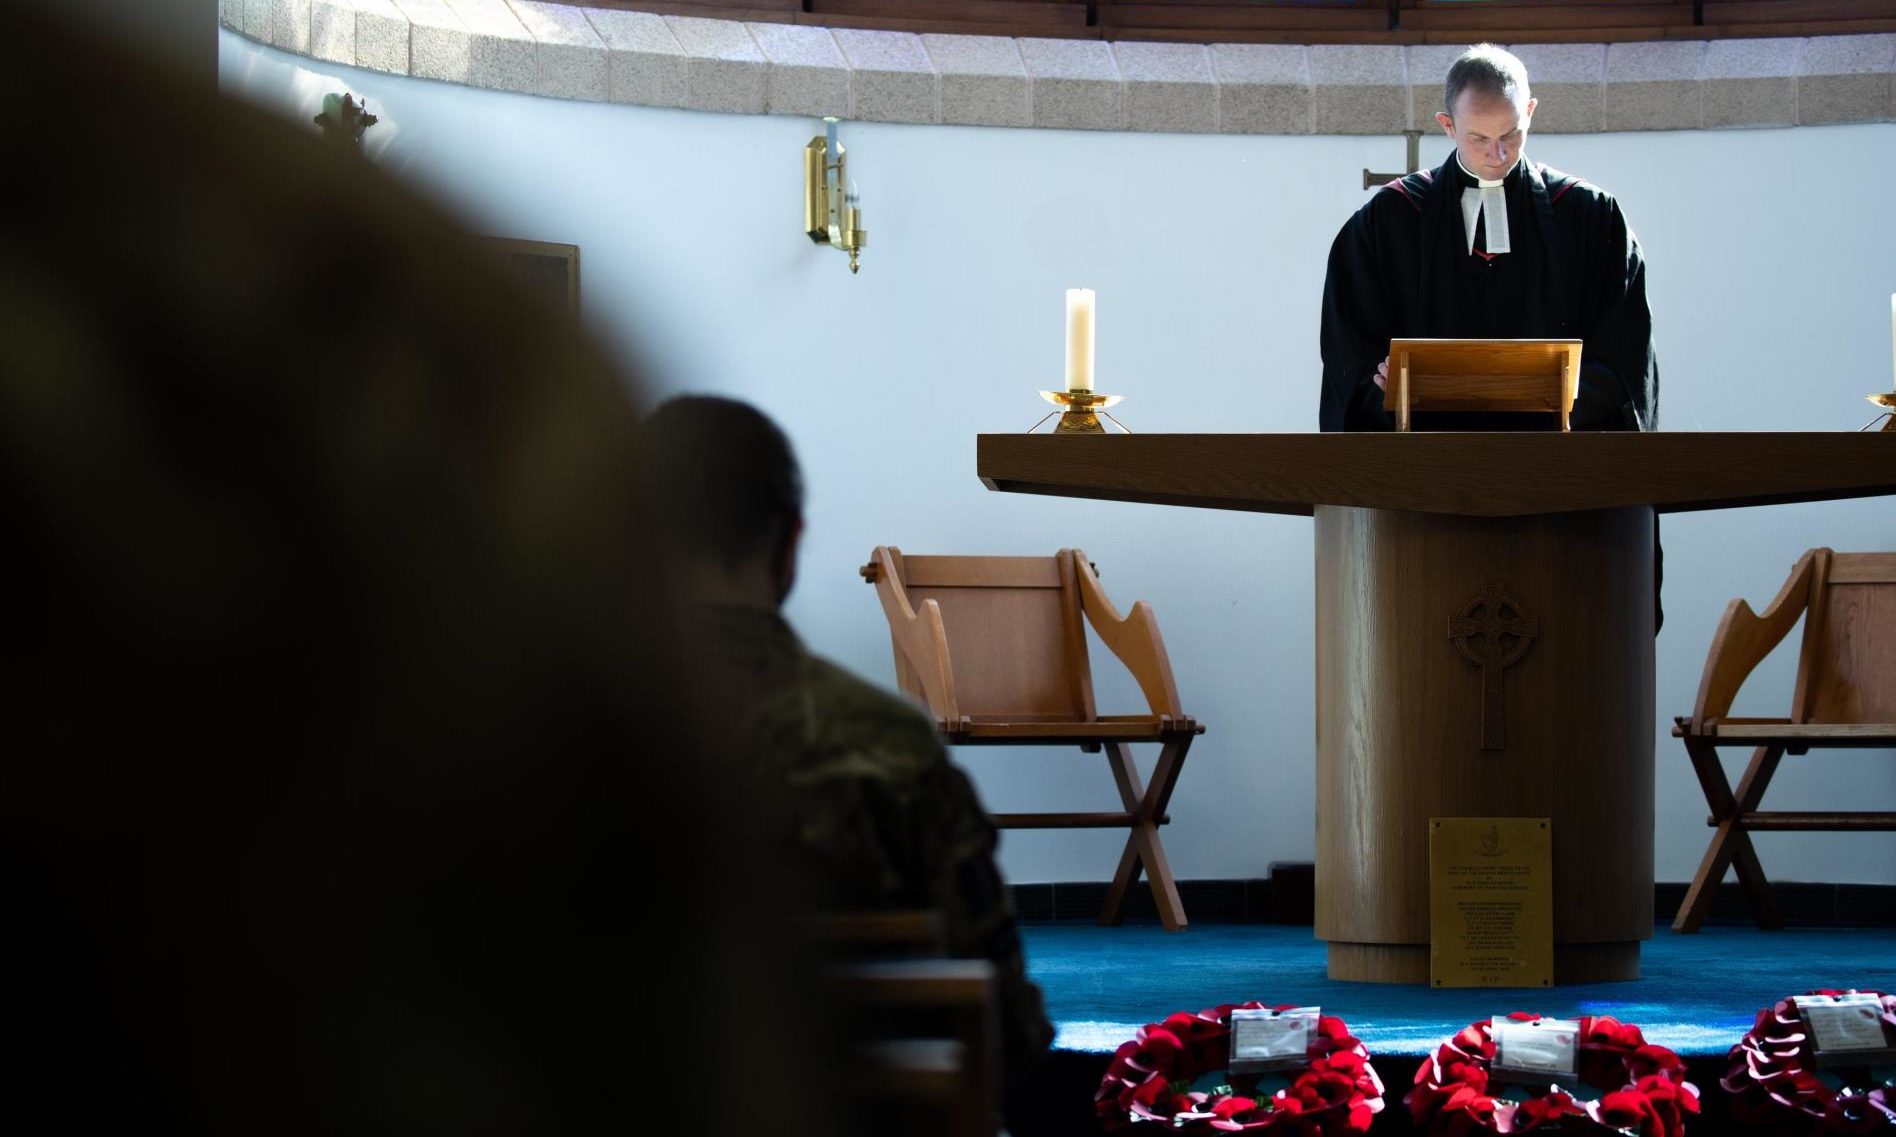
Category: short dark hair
<point>724,478</point>
<point>1488,70</point>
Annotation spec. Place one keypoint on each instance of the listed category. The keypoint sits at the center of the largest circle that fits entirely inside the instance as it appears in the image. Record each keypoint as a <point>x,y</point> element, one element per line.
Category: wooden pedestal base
<point>1483,667</point>
<point>1409,963</point>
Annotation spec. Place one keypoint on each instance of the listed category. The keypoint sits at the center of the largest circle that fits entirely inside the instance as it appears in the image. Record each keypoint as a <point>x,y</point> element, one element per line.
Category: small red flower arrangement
<point>1150,1081</point>
<point>1643,1087</point>
<point>1774,1082</point>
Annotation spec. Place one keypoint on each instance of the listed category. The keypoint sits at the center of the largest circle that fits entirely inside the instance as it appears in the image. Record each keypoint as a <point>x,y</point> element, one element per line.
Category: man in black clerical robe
<point>1417,261</point>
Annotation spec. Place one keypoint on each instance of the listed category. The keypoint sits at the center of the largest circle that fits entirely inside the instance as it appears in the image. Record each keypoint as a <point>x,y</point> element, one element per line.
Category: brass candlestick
<point>1886,400</point>
<point>1080,412</point>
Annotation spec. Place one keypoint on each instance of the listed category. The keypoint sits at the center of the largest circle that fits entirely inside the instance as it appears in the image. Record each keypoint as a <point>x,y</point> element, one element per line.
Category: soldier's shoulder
<point>849,708</point>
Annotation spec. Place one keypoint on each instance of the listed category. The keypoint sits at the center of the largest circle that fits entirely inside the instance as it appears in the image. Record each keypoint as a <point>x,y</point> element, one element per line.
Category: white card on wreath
<point>1263,1039</point>
<point>1844,1022</point>
<point>1542,1046</point>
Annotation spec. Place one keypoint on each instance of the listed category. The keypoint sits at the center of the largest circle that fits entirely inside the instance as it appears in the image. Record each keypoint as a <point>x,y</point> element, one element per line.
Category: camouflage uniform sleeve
<point>957,856</point>
<point>893,823</point>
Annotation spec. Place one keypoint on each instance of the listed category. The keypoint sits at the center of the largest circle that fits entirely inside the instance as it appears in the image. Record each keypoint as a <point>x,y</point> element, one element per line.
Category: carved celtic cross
<point>1493,631</point>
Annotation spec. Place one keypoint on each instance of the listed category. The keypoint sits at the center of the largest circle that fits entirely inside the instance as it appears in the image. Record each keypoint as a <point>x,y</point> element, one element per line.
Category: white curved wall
<point>1772,259</point>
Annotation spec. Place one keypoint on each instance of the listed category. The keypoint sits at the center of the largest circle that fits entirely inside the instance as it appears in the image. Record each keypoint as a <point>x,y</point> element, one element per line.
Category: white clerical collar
<point>1486,183</point>
<point>1486,196</point>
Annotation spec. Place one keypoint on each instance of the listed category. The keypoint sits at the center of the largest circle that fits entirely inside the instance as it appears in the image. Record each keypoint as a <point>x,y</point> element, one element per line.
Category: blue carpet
<point>1697,994</point>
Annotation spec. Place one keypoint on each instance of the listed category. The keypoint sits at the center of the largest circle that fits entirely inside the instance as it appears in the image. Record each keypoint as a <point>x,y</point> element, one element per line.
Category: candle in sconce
<point>1079,355</point>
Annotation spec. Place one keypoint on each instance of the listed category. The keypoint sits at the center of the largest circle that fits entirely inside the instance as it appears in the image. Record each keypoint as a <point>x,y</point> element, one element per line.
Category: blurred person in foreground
<point>874,814</point>
<point>343,787</point>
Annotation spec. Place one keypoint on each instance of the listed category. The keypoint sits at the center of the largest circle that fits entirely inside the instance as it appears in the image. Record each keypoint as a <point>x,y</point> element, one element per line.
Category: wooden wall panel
<point>1489,18</point>
<point>759,11</point>
<point>1047,13</point>
<point>1221,18</point>
<point>945,27</point>
<point>1312,21</point>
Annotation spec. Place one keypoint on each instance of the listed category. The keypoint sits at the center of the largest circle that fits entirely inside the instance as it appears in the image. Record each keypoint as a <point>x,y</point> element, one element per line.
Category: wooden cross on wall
<point>1372,180</point>
<point>1493,631</point>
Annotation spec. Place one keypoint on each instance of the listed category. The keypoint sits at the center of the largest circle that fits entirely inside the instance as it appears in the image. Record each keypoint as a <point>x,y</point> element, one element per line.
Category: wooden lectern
<point>1482,375</point>
<point>1484,639</point>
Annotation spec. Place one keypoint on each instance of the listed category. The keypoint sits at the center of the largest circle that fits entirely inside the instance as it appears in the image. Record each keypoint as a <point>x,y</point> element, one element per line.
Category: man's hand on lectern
<point>1382,375</point>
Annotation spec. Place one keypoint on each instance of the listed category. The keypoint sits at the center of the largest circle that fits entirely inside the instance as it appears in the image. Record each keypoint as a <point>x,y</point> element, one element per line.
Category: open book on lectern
<point>1482,375</point>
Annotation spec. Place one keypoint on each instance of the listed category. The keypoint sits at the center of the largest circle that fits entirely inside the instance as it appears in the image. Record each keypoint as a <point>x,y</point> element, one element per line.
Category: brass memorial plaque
<point>1491,902</point>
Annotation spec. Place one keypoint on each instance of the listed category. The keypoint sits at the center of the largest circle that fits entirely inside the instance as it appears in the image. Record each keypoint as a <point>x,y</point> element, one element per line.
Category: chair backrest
<point>1847,671</point>
<point>927,1056</point>
<point>878,934</point>
<point>1015,633</point>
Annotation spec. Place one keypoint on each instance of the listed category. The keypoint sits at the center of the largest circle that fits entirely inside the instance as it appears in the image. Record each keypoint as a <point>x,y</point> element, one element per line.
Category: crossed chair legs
<point>1731,841</point>
<point>1143,847</point>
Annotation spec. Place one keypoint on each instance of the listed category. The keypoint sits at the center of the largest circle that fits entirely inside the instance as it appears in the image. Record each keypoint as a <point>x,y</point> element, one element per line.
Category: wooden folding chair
<point>921,1030</point>
<point>877,933</point>
<point>927,1053</point>
<point>996,649</point>
<point>1845,697</point>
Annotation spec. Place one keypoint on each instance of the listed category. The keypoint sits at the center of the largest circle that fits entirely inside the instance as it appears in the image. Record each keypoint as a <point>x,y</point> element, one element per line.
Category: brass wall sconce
<point>344,120</point>
<point>832,213</point>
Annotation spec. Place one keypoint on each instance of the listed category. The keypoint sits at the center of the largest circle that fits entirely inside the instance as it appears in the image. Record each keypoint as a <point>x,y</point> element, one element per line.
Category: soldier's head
<point>730,498</point>
<point>1487,107</point>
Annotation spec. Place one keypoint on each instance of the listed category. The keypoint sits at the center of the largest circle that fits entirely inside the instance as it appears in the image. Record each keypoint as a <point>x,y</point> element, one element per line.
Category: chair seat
<point>1766,731</point>
<point>1030,730</point>
<point>909,1069</point>
<point>1832,821</point>
<point>917,982</point>
<point>881,933</point>
<point>1073,820</point>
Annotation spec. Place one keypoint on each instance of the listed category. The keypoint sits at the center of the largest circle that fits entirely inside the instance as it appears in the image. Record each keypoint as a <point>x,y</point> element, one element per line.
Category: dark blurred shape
<point>181,35</point>
<point>346,786</point>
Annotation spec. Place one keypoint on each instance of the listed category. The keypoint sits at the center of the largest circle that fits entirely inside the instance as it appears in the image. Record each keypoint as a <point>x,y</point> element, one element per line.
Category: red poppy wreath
<point>1643,1087</point>
<point>1174,1075</point>
<point>1776,1083</point>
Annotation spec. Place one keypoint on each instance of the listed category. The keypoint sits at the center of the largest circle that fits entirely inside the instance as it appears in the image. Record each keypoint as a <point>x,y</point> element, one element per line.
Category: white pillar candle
<point>1079,339</point>
<point>1892,340</point>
